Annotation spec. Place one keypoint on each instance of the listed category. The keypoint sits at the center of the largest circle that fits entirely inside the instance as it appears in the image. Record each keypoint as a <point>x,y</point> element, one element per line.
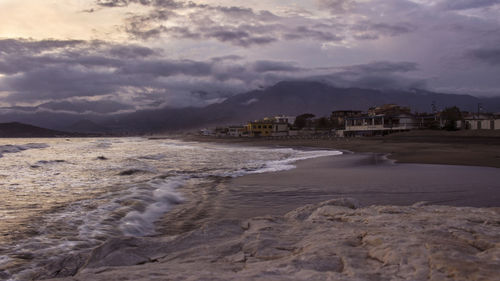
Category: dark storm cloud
<point>201,25</point>
<point>224,58</point>
<point>388,82</point>
<point>130,72</point>
<point>486,55</point>
<point>131,51</point>
<point>165,68</point>
<point>375,75</point>
<point>102,106</point>
<point>302,32</point>
<point>265,66</point>
<point>376,30</point>
<point>124,3</point>
<point>237,36</point>
<point>112,3</point>
<point>466,4</point>
<point>138,76</point>
<point>57,82</point>
<point>239,26</point>
<point>380,67</point>
<point>9,46</point>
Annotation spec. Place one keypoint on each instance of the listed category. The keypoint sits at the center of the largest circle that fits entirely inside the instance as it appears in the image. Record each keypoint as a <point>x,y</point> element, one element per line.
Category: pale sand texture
<point>333,240</point>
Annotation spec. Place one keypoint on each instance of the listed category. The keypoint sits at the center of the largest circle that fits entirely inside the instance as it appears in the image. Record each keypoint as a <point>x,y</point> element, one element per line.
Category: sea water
<point>59,197</point>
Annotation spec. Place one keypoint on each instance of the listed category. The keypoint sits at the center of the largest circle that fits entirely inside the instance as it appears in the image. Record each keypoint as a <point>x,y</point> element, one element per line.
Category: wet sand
<point>257,227</point>
<point>443,168</point>
<point>469,148</point>
<point>366,177</point>
<point>369,178</point>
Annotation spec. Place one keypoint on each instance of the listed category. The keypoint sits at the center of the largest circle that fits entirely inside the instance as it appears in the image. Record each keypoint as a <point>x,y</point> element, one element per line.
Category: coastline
<point>301,224</point>
<point>463,148</point>
<point>369,178</point>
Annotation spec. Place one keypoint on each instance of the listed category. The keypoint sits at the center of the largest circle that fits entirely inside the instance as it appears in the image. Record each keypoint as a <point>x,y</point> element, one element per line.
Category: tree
<point>322,123</point>
<point>303,120</point>
<point>451,115</point>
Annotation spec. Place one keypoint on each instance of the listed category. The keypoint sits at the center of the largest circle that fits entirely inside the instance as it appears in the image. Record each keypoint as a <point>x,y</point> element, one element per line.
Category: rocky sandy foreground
<point>333,240</point>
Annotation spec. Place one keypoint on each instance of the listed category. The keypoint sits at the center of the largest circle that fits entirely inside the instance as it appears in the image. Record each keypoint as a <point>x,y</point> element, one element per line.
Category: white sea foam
<point>104,203</point>
<point>18,148</point>
<point>163,197</point>
<point>287,164</point>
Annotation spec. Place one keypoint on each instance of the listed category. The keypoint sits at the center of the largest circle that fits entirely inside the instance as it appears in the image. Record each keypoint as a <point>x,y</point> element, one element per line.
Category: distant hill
<point>293,98</point>
<point>20,130</point>
<point>87,126</point>
<point>287,97</point>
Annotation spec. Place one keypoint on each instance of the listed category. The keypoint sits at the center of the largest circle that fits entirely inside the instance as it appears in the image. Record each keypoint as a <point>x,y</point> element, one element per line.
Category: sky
<point>140,54</point>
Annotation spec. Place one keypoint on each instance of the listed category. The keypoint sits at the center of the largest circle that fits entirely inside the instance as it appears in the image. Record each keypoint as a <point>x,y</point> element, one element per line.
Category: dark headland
<point>20,130</point>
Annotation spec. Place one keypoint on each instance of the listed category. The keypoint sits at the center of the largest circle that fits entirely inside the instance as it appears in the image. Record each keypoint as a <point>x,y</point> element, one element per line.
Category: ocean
<point>63,197</point>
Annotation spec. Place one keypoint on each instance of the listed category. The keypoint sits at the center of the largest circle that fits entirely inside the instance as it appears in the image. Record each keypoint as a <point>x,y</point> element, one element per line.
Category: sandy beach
<point>468,148</point>
<point>356,216</point>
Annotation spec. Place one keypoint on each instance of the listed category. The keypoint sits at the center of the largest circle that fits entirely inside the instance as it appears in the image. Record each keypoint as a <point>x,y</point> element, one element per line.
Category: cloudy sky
<point>150,53</point>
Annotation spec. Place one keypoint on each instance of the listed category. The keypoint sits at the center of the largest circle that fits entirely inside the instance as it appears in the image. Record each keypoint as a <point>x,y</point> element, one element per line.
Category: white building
<point>482,122</point>
<point>285,119</point>
<point>379,124</point>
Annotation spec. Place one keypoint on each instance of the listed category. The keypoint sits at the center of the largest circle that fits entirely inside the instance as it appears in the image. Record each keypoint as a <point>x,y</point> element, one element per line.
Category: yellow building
<point>260,128</point>
<point>268,127</point>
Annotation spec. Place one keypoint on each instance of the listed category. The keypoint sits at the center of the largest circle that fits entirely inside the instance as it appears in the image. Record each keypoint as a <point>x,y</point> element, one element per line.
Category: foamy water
<point>63,196</point>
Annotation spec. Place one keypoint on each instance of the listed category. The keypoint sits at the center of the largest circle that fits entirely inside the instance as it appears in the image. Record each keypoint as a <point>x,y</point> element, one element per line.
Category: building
<point>285,119</point>
<point>481,122</point>
<point>267,127</point>
<point>260,128</point>
<point>207,132</point>
<point>237,131</point>
<point>338,117</point>
<point>389,109</point>
<point>381,120</point>
<point>221,131</point>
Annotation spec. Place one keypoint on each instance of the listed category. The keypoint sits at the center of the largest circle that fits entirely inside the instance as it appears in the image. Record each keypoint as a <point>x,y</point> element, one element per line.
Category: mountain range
<point>287,98</point>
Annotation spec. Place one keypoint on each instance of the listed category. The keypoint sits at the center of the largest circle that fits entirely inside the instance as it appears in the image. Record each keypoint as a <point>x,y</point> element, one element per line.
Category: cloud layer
<point>37,72</point>
<point>192,53</point>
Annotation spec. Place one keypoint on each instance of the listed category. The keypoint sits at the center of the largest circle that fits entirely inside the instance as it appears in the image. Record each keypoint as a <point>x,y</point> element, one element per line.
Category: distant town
<point>376,121</point>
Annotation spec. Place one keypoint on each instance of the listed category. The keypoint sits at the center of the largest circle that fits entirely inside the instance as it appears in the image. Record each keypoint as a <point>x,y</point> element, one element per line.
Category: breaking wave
<point>128,193</point>
<point>18,148</point>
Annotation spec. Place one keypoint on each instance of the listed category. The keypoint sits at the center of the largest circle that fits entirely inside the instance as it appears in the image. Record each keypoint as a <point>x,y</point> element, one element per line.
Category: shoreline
<point>234,216</point>
<point>418,147</point>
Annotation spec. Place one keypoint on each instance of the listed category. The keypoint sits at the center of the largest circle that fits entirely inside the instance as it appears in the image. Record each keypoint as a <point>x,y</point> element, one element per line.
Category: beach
<point>355,216</point>
<point>468,148</point>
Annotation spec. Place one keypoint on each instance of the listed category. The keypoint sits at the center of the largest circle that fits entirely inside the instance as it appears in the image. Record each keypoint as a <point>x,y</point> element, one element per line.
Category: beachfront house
<point>480,122</point>
<point>381,120</point>
<point>338,117</point>
<point>260,128</point>
<point>285,119</point>
<point>207,132</point>
<point>269,127</point>
<point>236,131</point>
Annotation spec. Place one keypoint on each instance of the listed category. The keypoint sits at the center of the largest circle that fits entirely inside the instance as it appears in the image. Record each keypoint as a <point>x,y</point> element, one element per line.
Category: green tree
<point>322,123</point>
<point>303,120</point>
<point>451,115</point>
